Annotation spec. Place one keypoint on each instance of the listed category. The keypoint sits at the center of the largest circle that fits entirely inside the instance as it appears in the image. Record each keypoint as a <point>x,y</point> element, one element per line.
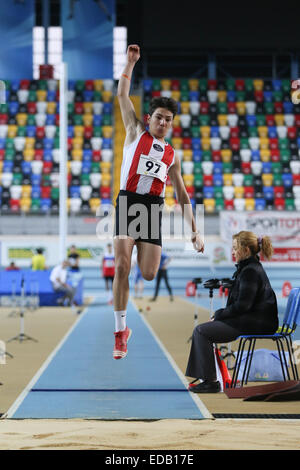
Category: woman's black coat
<point>251,306</point>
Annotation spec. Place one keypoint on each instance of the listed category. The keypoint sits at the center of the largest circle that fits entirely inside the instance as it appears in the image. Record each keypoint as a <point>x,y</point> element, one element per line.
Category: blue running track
<point>82,380</point>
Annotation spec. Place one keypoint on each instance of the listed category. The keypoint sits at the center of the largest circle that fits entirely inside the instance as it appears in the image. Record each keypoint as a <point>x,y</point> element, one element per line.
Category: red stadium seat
<point>296,180</point>
<point>175,85</point>
<point>234,132</point>
<point>47,168</point>
<point>248,192</point>
<point>177,131</point>
<point>89,85</point>
<point>204,107</point>
<point>278,192</point>
<point>155,93</point>
<point>229,204</point>
<point>31,107</point>
<point>96,156</point>
<point>240,84</point>
<point>231,107</point>
<point>14,205</point>
<point>273,144</point>
<point>105,192</point>
<point>78,108</point>
<point>258,96</point>
<point>246,168</point>
<point>208,180</point>
<point>234,143</point>
<point>3,118</point>
<point>39,154</point>
<point>216,156</point>
<point>212,84</point>
<point>24,84</point>
<point>186,143</point>
<point>191,191</point>
<point>2,154</point>
<point>40,132</point>
<point>297,120</point>
<point>270,121</point>
<point>278,107</point>
<point>292,132</point>
<point>275,155</point>
<point>46,192</point>
<point>279,203</point>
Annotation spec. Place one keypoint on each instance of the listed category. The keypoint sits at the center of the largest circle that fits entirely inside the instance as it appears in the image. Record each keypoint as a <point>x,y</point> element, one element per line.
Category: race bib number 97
<point>149,166</point>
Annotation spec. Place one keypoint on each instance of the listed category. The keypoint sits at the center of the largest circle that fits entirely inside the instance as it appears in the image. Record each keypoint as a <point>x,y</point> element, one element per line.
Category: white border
<point>200,405</point>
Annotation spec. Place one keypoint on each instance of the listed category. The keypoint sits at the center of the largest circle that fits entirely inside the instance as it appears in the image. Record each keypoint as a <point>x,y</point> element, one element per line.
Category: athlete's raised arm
<point>131,123</point>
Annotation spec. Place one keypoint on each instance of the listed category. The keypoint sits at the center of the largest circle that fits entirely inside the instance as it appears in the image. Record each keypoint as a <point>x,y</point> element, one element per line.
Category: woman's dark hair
<point>163,102</point>
<point>254,243</point>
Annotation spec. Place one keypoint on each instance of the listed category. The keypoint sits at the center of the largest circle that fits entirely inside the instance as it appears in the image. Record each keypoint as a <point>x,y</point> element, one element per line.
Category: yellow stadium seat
<point>165,84</point>
<point>265,155</point>
<point>25,204</point>
<point>51,107</point>
<point>227,179</point>
<point>28,154</point>
<point>26,191</point>
<point>87,119</point>
<point>175,94</point>
<point>106,96</point>
<point>241,108</point>
<point>258,84</point>
<point>177,142</point>
<point>239,192</point>
<point>187,155</point>
<point>205,131</point>
<point>78,131</point>
<point>12,131</point>
<point>29,142</point>
<point>1,166</point>
<point>94,203</point>
<point>41,95</point>
<point>194,84</point>
<point>263,143</point>
<point>209,204</point>
<point>77,142</point>
<point>106,179</point>
<point>279,119</point>
<point>176,121</point>
<point>98,85</point>
<point>77,154</point>
<point>267,179</point>
<point>105,167</point>
<point>169,203</point>
<point>169,193</point>
<point>205,142</point>
<point>222,119</point>
<point>222,96</point>
<point>262,131</point>
<point>21,119</point>
<point>107,132</point>
<point>188,180</point>
<point>226,155</point>
<point>68,204</point>
<point>185,107</point>
<point>249,204</point>
<point>87,107</point>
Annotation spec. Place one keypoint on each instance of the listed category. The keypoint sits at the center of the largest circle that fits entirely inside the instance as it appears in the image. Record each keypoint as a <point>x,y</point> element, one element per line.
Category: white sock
<point>120,320</point>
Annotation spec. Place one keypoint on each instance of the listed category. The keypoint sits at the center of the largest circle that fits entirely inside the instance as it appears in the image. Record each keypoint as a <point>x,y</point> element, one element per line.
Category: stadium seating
<point>243,137</point>
<point>29,145</point>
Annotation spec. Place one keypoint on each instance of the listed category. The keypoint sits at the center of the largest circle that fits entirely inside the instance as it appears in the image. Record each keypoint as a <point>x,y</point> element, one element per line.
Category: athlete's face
<point>160,122</point>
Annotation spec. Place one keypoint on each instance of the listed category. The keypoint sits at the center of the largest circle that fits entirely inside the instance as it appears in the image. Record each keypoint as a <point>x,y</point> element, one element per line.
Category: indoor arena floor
<point>66,391</point>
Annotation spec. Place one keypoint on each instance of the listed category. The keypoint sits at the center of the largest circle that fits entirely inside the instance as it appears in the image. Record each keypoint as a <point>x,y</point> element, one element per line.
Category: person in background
<point>38,261</point>
<point>163,274</point>
<point>73,258</point>
<point>251,309</point>
<point>58,279</point>
<point>12,267</point>
<point>108,271</point>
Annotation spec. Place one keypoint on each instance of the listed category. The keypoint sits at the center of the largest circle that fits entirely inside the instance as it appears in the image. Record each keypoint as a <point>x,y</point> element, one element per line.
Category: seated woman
<point>251,309</point>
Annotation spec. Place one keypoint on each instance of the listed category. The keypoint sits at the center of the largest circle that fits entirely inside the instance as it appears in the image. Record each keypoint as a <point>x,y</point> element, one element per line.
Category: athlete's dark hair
<point>163,102</point>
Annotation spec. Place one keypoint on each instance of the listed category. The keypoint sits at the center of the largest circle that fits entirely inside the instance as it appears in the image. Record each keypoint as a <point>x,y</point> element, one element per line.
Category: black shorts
<point>139,216</point>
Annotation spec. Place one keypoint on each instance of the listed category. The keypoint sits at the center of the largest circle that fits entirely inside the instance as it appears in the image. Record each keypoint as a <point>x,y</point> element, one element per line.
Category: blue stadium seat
<point>267,167</point>
<point>208,192</point>
<point>196,143</point>
<point>251,120</point>
<point>197,155</point>
<point>71,84</point>
<point>107,108</point>
<point>287,180</point>
<point>97,120</point>
<point>260,204</point>
<point>70,131</point>
<point>13,107</point>
<point>214,131</point>
<point>268,96</point>
<point>231,96</point>
<point>88,95</point>
<point>288,107</point>
<point>2,143</point>
<point>147,85</point>
<point>87,155</point>
<point>7,166</point>
<point>217,180</point>
<point>48,157</point>
<point>15,85</point>
<point>51,95</point>
<point>194,95</point>
<point>26,168</point>
<point>50,120</point>
<point>36,192</point>
<point>74,191</point>
<point>48,143</point>
<point>86,167</point>
<point>276,85</point>
<point>30,131</point>
<point>35,179</point>
<point>255,155</point>
<point>46,205</point>
<point>272,132</point>
<point>107,143</point>
<point>268,193</point>
<point>218,168</point>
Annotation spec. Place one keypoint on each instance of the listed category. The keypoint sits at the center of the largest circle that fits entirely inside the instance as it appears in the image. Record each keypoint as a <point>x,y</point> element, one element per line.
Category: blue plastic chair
<point>283,334</point>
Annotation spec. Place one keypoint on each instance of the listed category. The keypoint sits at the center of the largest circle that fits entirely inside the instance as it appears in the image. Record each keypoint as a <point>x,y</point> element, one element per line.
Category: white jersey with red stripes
<point>145,166</point>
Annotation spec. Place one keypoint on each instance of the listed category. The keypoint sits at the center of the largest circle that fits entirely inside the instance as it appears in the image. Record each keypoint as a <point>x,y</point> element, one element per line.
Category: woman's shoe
<point>206,387</point>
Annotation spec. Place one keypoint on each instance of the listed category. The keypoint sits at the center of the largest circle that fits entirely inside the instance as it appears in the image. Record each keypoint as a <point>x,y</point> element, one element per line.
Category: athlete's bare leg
<point>149,256</point>
<point>123,250</point>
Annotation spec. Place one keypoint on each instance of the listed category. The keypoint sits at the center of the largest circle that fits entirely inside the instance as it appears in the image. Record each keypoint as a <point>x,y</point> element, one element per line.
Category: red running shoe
<point>121,338</point>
